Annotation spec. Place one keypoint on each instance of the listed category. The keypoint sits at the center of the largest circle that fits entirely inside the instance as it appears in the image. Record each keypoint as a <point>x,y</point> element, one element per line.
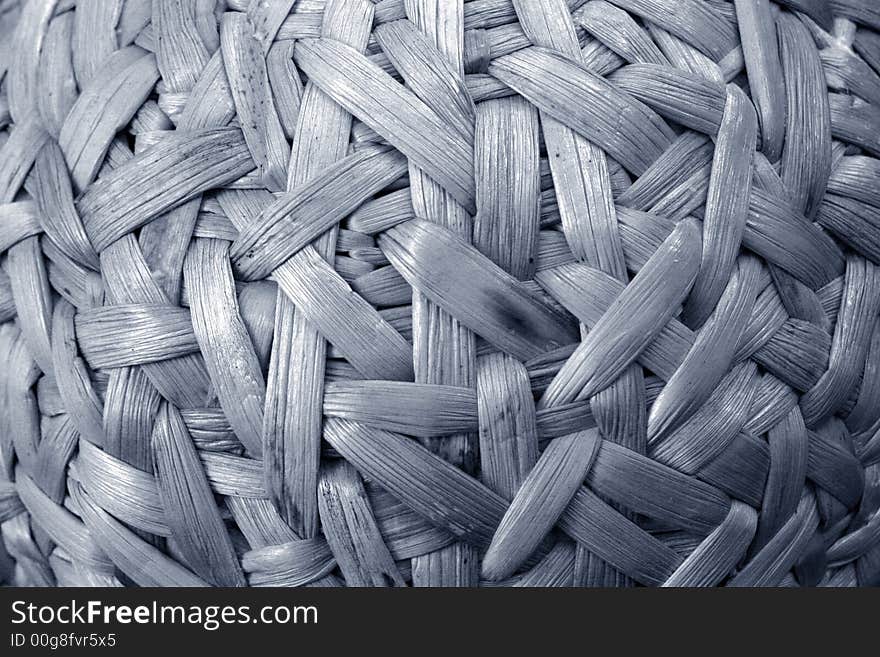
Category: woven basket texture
<point>440,293</point>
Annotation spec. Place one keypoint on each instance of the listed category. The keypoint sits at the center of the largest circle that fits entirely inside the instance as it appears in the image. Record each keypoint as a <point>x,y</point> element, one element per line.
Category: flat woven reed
<point>440,293</point>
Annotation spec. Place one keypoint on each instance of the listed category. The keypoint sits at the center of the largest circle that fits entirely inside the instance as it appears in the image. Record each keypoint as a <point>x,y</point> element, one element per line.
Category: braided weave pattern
<point>440,293</point>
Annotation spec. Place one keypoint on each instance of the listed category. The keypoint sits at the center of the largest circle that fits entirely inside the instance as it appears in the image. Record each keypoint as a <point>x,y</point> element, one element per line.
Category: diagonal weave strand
<point>440,293</point>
